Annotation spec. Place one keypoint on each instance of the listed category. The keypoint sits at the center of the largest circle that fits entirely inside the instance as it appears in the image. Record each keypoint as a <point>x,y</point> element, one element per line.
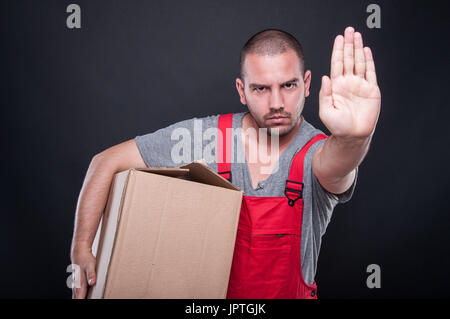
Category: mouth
<point>277,119</point>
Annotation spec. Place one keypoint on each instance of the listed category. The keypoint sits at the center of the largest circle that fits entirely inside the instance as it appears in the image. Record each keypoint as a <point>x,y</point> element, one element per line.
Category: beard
<point>279,129</point>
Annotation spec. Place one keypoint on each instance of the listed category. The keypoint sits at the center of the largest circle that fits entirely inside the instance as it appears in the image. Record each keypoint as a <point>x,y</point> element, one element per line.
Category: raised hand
<point>350,100</point>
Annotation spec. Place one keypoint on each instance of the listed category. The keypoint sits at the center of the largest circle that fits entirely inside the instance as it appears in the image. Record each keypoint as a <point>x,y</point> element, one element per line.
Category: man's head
<point>273,81</point>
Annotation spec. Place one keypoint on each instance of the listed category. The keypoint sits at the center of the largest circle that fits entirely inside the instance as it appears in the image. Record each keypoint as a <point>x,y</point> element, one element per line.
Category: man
<point>273,84</point>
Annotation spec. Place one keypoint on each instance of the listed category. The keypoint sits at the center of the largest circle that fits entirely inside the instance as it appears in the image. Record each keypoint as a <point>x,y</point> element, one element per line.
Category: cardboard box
<point>167,233</point>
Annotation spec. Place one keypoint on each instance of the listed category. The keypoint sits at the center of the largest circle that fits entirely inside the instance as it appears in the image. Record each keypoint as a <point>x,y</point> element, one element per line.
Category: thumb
<point>90,273</point>
<point>325,98</point>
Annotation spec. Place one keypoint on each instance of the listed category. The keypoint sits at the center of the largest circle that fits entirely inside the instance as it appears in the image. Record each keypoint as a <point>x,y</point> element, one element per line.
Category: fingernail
<point>89,282</point>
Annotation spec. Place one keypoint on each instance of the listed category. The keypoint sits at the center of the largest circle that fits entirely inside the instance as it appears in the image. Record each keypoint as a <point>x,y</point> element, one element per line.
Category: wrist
<point>81,245</point>
<point>351,141</point>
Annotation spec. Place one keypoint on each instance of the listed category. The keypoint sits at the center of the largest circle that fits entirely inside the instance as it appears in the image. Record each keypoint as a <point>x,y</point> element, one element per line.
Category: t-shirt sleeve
<point>175,144</point>
<point>325,195</point>
<point>322,200</point>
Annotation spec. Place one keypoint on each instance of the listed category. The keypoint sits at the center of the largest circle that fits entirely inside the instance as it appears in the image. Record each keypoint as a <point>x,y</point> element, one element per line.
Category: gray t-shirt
<point>157,150</point>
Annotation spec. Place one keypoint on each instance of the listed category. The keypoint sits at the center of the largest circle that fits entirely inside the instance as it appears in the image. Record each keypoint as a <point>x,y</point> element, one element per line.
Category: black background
<point>136,66</point>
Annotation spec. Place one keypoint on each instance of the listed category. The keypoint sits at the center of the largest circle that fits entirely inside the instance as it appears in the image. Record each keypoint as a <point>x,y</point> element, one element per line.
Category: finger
<point>90,273</point>
<point>348,50</point>
<point>371,75</point>
<point>80,293</point>
<point>337,57</point>
<point>360,61</point>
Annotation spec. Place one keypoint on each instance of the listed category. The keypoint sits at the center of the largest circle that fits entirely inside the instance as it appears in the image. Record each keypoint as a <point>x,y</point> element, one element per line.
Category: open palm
<point>350,100</point>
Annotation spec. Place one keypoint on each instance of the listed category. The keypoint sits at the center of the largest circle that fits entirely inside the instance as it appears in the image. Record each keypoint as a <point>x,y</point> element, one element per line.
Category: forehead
<point>272,68</point>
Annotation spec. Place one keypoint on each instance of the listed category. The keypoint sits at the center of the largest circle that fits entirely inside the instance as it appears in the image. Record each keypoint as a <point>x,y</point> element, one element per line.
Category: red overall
<point>266,261</point>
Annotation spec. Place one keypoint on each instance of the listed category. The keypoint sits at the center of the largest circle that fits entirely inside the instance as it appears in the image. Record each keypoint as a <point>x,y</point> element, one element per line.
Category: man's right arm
<point>91,203</point>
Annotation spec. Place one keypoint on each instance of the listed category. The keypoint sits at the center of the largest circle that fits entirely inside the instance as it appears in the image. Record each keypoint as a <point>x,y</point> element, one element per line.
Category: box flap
<point>203,174</point>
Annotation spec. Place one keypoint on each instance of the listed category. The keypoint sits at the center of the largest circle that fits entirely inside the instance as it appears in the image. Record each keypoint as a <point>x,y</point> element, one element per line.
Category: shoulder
<point>174,144</point>
<point>309,130</point>
<point>304,135</point>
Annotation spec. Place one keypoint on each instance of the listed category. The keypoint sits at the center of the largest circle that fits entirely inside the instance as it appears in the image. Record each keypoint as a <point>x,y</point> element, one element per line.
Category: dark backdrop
<point>136,66</point>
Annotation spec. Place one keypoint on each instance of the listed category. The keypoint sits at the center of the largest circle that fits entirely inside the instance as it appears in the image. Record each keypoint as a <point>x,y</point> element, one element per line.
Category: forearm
<point>91,202</point>
<point>335,162</point>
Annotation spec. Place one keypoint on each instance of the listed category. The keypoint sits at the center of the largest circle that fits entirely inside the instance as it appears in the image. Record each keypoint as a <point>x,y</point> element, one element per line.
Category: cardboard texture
<point>167,233</point>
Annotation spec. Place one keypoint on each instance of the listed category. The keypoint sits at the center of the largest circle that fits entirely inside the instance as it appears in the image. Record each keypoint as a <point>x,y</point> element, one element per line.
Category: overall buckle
<point>291,201</point>
<point>226,172</point>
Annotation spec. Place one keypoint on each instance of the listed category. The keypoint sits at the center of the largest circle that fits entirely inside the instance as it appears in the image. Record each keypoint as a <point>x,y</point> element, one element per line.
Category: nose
<point>276,100</point>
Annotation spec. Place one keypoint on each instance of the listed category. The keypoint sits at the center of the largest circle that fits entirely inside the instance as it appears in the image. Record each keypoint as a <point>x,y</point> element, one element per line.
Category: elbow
<point>96,160</point>
<point>109,161</point>
<point>338,185</point>
<point>102,161</point>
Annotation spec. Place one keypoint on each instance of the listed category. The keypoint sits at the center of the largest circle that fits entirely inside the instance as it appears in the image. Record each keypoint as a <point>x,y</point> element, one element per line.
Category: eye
<point>259,89</point>
<point>290,85</point>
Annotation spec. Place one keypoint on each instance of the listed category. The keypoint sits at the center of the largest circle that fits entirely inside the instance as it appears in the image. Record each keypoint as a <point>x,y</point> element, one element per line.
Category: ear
<point>240,89</point>
<point>307,81</point>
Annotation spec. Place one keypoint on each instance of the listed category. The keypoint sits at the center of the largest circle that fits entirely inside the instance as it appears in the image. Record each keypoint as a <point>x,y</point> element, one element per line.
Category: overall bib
<point>266,262</point>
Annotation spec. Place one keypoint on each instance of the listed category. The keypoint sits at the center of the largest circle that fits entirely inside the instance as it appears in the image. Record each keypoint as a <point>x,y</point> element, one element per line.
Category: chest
<point>258,173</point>
<point>261,167</point>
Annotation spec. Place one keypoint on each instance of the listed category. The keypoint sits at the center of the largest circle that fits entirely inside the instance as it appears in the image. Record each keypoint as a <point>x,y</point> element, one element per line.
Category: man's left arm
<point>349,106</point>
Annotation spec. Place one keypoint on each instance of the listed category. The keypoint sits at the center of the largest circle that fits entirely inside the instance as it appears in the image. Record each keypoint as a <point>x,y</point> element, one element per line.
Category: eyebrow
<point>257,85</point>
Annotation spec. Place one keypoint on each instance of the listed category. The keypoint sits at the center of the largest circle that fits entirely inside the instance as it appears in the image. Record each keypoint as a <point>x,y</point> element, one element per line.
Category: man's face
<point>274,90</point>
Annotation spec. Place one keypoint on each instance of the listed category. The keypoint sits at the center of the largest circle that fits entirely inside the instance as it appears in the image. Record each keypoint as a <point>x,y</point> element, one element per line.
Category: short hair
<point>272,42</point>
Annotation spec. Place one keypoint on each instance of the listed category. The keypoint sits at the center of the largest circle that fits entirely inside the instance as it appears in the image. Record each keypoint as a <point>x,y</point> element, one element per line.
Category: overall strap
<point>224,145</point>
<point>294,183</point>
